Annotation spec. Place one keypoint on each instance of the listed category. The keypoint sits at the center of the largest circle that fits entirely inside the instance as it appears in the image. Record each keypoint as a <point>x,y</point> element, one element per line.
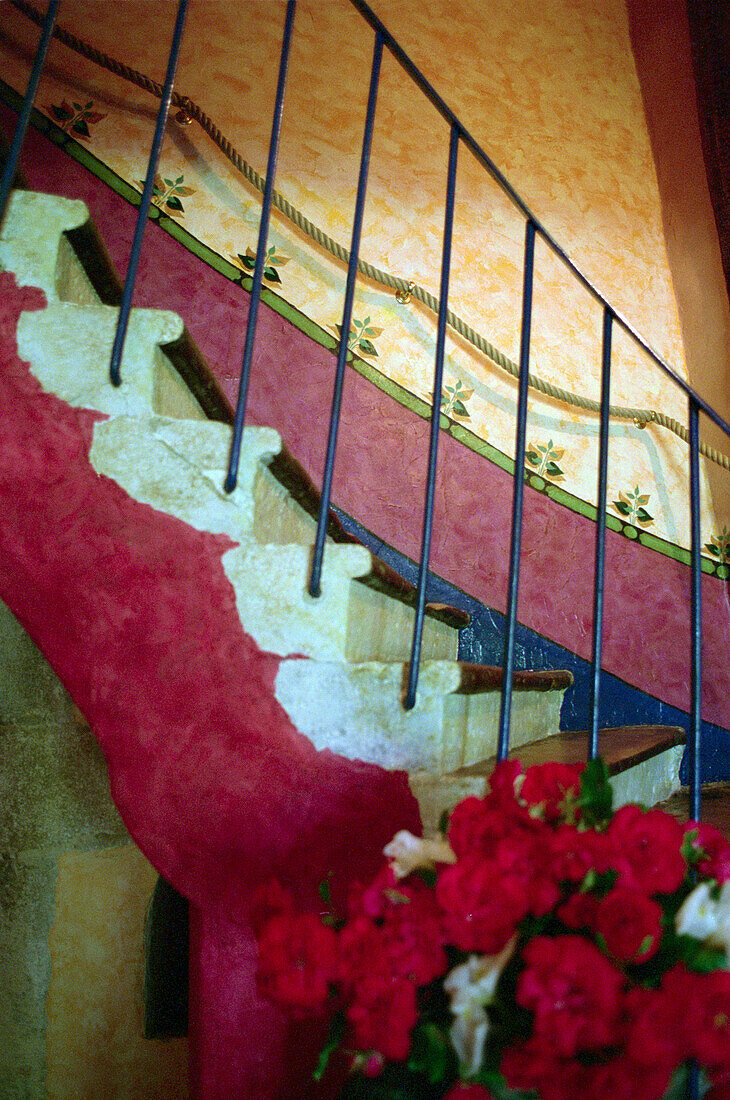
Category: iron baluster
<point>315,581</point>
<point>695,731</point>
<point>144,206</point>
<point>11,165</point>
<point>598,589</point>
<point>505,706</point>
<point>258,271</point>
<point>413,668</point>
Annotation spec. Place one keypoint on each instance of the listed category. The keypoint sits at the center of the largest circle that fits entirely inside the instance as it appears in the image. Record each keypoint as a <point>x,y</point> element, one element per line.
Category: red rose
<point>502,783</point>
<point>622,1079</point>
<point>464,1090</point>
<point>657,1027</point>
<point>579,911</point>
<point>713,851</point>
<point>574,992</point>
<point>297,956</point>
<point>481,904</point>
<point>710,1037</point>
<point>474,827</point>
<point>550,790</point>
<point>649,844</point>
<point>572,853</point>
<point>630,923</point>
<point>535,1065</point>
<point>383,1013</point>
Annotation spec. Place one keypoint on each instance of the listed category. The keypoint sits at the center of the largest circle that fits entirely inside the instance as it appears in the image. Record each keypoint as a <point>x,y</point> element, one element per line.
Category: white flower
<point>706,918</point>
<point>471,987</point>
<point>407,852</point>
<point>698,914</point>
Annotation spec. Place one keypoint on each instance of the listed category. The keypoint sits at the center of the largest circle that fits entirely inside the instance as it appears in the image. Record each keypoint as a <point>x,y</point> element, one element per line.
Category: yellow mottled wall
<point>550,91</point>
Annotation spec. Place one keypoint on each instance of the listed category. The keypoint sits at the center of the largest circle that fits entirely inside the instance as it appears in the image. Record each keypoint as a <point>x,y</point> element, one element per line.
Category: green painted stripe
<point>315,332</point>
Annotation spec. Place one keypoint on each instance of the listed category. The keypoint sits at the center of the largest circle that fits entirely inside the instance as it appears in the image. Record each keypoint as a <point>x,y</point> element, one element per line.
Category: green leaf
<point>367,348</point>
<point>622,507</point>
<point>696,956</point>
<point>431,1052</point>
<point>533,458</point>
<point>643,516</point>
<point>272,275</point>
<point>596,795</point>
<point>336,1034</point>
<point>80,127</point>
<point>460,409</point>
<point>325,891</point>
<point>173,203</point>
<point>554,470</point>
<point>713,549</point>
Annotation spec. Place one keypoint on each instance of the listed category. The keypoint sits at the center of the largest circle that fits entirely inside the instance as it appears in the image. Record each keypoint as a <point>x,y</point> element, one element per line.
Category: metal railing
<point>458,136</point>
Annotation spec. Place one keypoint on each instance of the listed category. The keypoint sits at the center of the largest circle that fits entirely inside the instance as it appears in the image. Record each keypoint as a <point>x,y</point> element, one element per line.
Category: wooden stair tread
<point>476,678</point>
<point>622,747</point>
<point>382,578</point>
<point>714,806</point>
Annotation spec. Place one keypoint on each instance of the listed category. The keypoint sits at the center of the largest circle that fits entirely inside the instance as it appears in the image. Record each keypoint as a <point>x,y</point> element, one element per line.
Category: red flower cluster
<point>574,909</point>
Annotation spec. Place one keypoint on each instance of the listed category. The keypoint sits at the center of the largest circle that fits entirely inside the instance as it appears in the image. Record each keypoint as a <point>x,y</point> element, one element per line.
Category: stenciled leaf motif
<point>553,470</point>
<point>173,203</point>
<point>558,452</point>
<point>184,191</point>
<point>533,458</point>
<point>62,113</point>
<point>272,275</point>
<point>372,332</point>
<point>622,507</point>
<point>460,410</point>
<point>79,127</point>
<point>644,518</point>
<point>643,499</point>
<point>713,549</point>
<point>366,348</point>
<point>93,116</point>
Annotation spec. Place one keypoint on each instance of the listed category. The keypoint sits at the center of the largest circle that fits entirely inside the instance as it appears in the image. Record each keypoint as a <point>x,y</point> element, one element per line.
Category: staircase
<point>218,807</point>
<point>155,441</point>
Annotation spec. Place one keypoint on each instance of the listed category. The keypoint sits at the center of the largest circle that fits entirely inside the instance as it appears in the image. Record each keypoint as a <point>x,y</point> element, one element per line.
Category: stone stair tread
<point>622,747</point>
<point>190,364</point>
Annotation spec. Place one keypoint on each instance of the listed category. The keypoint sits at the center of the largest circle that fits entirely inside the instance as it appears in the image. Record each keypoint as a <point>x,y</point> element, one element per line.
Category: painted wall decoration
<point>569,131</point>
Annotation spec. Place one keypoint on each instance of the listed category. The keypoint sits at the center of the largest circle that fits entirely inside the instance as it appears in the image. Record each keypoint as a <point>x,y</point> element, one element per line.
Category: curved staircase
<point>248,728</point>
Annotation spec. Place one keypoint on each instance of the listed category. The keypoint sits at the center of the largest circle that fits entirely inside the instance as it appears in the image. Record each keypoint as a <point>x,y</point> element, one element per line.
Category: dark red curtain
<point>709,23</point>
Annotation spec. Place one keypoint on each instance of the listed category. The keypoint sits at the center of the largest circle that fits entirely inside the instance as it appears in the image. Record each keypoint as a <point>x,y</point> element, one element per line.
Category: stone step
<point>69,348</point>
<point>286,502</point>
<point>177,466</point>
<point>643,763</point>
<point>357,710</point>
<point>34,247</point>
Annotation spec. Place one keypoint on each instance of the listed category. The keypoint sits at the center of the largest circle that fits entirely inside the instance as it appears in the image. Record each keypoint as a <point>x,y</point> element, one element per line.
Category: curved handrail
<point>405,289</point>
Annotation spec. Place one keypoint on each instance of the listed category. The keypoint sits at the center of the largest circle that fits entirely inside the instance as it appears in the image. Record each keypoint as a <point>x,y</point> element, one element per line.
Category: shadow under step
<point>642,761</point>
